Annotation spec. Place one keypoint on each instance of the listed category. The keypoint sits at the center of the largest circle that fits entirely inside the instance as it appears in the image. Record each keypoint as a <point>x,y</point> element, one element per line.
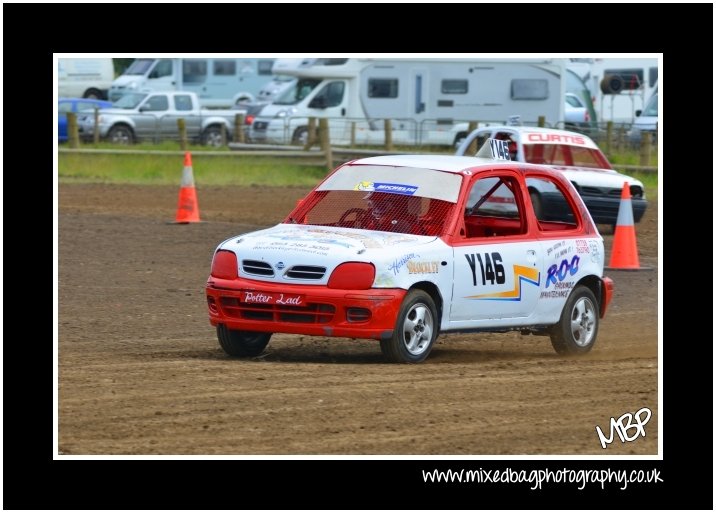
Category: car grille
<point>256,267</point>
<point>312,313</point>
<point>599,191</point>
<point>306,272</point>
<point>260,125</point>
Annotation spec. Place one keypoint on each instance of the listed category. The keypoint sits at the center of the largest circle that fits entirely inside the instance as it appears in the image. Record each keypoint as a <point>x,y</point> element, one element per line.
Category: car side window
<point>182,102</point>
<point>551,207</point>
<point>162,69</point>
<point>330,96</point>
<point>493,208</point>
<point>157,103</point>
<point>86,106</point>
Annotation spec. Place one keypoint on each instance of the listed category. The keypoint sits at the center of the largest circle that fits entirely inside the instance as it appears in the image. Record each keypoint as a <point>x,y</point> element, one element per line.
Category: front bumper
<point>323,311</point>
<point>604,210</point>
<point>270,131</point>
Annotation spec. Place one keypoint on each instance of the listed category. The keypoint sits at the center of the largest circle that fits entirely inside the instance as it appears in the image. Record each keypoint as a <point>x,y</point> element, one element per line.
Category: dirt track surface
<point>141,371</point>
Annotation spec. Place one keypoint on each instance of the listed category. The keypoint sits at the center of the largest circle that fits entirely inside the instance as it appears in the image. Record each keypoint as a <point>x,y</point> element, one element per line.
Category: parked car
<point>576,113</point>
<point>137,116</point>
<point>401,248</point>
<point>577,157</point>
<point>65,105</point>
<point>646,120</point>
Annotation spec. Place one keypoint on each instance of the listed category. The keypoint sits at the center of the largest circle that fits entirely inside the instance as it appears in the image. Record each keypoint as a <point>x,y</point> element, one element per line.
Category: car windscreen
<point>652,108</point>
<point>139,67</point>
<point>129,100</point>
<point>565,155</point>
<point>298,92</point>
<point>383,198</point>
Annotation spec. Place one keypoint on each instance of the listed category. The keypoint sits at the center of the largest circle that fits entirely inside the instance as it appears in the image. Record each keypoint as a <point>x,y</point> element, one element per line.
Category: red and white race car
<point>401,248</point>
<point>577,157</point>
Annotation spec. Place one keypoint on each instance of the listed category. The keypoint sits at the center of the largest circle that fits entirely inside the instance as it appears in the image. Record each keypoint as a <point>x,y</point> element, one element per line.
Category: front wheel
<point>120,134</point>
<point>300,136</point>
<point>416,329</point>
<point>242,343</point>
<point>576,331</point>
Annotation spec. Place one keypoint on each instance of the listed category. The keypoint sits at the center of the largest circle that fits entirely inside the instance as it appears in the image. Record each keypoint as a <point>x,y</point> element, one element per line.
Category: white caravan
<point>220,82</point>
<point>619,86</point>
<point>429,101</point>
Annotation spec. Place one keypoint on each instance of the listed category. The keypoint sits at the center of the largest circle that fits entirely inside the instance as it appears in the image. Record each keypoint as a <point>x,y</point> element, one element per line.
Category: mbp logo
<point>623,424</point>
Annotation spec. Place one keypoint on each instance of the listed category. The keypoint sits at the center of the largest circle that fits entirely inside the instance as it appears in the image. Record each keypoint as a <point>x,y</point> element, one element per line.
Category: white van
<point>221,82</point>
<point>84,78</point>
<point>646,120</point>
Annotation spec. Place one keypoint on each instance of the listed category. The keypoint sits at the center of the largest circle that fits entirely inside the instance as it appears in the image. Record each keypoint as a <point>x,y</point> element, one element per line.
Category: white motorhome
<point>219,82</point>
<point>429,101</point>
<point>84,77</point>
<point>619,86</point>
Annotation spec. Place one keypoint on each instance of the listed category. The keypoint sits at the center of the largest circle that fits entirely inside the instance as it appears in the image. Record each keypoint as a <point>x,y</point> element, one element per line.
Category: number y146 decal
<point>492,271</point>
<point>487,272</point>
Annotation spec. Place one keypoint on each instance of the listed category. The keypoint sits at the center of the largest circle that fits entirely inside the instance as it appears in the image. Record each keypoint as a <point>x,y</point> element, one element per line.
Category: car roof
<point>449,163</point>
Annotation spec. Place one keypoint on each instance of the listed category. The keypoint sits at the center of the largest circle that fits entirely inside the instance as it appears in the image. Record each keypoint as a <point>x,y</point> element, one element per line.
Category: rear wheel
<point>214,136</point>
<point>576,331</point>
<point>94,94</point>
<point>415,331</point>
<point>242,343</point>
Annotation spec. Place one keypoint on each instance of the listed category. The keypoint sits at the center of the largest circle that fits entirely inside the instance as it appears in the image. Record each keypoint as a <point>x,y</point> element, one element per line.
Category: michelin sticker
<point>394,188</point>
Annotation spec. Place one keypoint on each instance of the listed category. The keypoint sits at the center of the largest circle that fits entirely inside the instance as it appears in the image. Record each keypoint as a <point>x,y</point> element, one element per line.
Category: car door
<point>181,106</point>
<point>154,108</point>
<point>498,262</point>
<point>63,107</point>
<point>330,102</point>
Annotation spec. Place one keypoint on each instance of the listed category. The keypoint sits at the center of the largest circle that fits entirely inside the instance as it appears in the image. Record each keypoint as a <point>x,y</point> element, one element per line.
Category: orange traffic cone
<point>624,252</point>
<point>188,207</point>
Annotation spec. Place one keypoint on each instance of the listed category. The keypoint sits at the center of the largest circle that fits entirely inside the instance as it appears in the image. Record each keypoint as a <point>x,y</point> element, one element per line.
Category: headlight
<point>636,191</point>
<point>286,113</point>
<point>225,265</point>
<point>132,85</point>
<point>352,276</point>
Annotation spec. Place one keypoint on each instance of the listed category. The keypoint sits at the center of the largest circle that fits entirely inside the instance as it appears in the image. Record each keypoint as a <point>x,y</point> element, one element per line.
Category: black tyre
<point>416,329</point>
<point>576,331</point>
<point>242,343</point>
<point>214,136</point>
<point>300,136</point>
<point>120,134</point>
<point>94,94</point>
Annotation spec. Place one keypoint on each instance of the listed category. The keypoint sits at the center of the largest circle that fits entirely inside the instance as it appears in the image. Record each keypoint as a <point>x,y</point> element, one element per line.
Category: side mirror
<point>319,102</point>
<point>638,112</point>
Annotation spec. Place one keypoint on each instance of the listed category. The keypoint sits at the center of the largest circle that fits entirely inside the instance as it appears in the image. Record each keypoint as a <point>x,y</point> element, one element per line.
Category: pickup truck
<point>154,115</point>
